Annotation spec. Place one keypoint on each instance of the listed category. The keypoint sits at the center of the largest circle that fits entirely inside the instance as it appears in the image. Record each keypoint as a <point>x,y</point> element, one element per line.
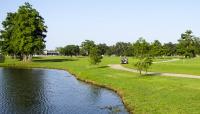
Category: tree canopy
<point>156,48</point>
<point>141,47</point>
<point>186,44</point>
<point>23,32</point>
<point>86,46</point>
<point>95,56</point>
<point>69,50</point>
<point>143,64</point>
<point>123,48</point>
<point>169,49</point>
<point>102,48</point>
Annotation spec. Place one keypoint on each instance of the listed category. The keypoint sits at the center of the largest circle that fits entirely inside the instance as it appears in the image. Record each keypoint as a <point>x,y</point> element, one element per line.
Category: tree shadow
<point>102,67</point>
<point>37,57</point>
<point>151,74</point>
<point>54,60</point>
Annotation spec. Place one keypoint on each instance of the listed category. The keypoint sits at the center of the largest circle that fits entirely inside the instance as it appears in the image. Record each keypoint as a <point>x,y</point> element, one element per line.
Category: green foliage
<point>169,49</point>
<point>186,45</point>
<point>24,32</point>
<point>86,46</point>
<point>8,40</point>
<point>141,48</point>
<point>69,50</point>
<point>197,45</point>
<point>123,49</point>
<point>143,64</point>
<point>110,51</point>
<point>95,56</point>
<point>102,48</point>
<point>156,49</point>
<point>60,50</point>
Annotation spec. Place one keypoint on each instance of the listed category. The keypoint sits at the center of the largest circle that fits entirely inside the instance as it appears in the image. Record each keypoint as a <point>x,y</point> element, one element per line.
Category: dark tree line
<point>69,50</point>
<point>188,46</point>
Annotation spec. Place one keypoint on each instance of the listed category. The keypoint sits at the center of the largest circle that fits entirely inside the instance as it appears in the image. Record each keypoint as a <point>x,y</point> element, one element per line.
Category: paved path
<point>172,60</point>
<point>120,67</point>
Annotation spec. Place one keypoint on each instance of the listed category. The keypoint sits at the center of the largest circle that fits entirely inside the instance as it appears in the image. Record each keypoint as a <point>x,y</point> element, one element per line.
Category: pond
<point>42,91</point>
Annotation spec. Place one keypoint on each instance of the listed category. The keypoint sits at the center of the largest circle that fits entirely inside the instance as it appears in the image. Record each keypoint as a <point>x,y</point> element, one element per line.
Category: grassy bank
<point>141,94</point>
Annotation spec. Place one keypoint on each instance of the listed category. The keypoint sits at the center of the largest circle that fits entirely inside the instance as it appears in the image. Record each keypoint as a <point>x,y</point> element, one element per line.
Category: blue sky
<point>110,21</point>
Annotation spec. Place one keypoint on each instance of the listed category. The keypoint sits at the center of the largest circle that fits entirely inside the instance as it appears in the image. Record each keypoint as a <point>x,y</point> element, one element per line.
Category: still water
<point>44,91</point>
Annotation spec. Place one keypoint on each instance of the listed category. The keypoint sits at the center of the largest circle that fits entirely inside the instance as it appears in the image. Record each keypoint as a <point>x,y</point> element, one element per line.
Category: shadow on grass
<point>37,57</point>
<point>102,67</point>
<point>150,74</point>
<point>54,60</point>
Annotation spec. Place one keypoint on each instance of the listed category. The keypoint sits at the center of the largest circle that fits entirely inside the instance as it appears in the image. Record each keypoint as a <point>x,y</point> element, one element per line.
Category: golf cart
<point>124,60</point>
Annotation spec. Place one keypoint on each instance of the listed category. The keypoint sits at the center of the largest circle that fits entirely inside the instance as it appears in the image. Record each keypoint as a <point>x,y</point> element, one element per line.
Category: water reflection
<point>95,93</point>
<point>52,91</point>
<point>23,89</point>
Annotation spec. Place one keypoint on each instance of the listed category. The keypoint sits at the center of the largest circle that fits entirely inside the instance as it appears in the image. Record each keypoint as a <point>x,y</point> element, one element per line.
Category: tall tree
<point>24,32</point>
<point>7,35</point>
<point>169,49</point>
<point>186,44</point>
<point>95,56</point>
<point>156,48</point>
<point>141,48</point>
<point>197,45</point>
<point>86,46</point>
<point>102,48</point>
<point>123,49</point>
<point>61,50</point>
<point>71,50</point>
<point>111,50</point>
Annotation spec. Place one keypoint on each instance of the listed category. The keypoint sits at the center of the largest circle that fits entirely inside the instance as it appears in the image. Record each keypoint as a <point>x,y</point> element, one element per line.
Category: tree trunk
<point>21,57</point>
<point>24,57</point>
<point>30,58</point>
<point>14,56</point>
<point>140,72</point>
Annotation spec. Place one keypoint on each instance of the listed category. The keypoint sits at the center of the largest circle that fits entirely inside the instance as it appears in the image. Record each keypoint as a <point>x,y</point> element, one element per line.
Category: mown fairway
<point>142,94</point>
<point>183,66</point>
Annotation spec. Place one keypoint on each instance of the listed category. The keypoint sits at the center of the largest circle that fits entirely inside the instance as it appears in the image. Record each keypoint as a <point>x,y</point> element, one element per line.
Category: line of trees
<point>69,50</point>
<point>188,46</point>
<point>23,33</point>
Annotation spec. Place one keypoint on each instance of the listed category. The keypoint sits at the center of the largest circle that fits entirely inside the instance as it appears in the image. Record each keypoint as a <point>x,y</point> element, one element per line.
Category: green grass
<point>183,66</point>
<point>141,94</point>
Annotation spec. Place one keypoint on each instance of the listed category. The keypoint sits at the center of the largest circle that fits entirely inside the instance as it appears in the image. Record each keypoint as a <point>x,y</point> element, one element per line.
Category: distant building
<point>51,53</point>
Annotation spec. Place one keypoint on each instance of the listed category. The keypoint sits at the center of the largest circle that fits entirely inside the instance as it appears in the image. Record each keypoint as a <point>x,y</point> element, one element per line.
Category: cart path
<point>172,60</point>
<point>120,67</point>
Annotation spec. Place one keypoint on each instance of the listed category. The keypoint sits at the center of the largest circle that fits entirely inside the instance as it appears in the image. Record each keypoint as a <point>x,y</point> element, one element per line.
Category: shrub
<point>144,64</point>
